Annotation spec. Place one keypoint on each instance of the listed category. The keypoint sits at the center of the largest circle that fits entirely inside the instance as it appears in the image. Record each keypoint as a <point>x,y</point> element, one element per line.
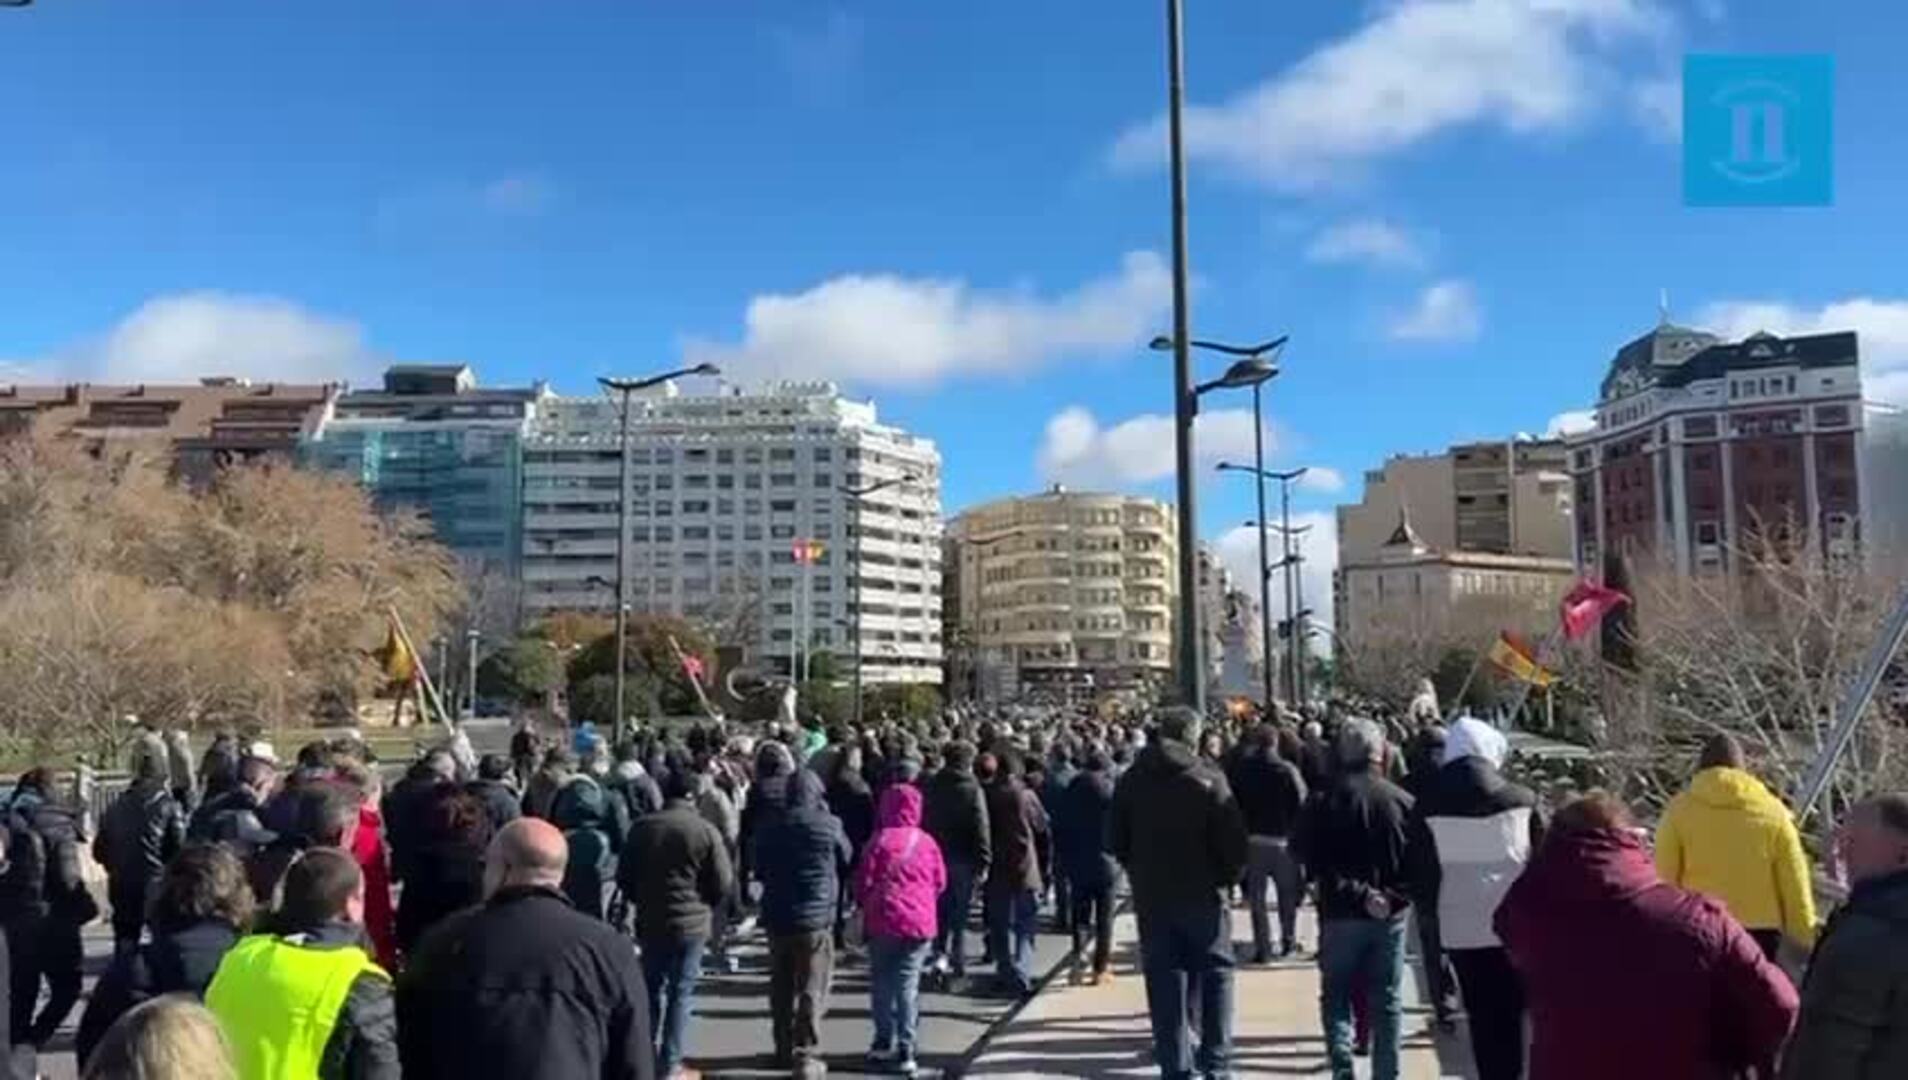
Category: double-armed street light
<point>1256,366</point>
<point>623,388</point>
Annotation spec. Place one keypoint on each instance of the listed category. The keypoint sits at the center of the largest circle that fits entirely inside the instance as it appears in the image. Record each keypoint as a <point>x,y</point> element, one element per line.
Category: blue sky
<point>1457,208</point>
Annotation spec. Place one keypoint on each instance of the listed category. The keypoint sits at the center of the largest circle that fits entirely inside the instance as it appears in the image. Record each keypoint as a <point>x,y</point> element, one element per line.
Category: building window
<point>781,453</point>
<point>1708,532</point>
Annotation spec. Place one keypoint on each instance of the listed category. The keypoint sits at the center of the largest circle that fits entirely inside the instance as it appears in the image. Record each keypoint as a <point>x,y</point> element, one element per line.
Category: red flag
<point>1585,605</point>
<point>692,667</point>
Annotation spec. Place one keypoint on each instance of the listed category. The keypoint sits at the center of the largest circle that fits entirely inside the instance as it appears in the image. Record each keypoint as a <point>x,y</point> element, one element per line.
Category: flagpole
<point>418,665</point>
<point>694,683</point>
<point>1457,703</point>
<point>1543,655</point>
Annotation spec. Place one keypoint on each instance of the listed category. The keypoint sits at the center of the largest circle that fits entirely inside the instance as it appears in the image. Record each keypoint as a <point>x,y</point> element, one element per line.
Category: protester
<point>898,884</point>
<point>304,1000</point>
<point>324,815</point>
<point>44,902</point>
<point>631,783</point>
<point>1424,756</point>
<point>142,829</point>
<point>851,800</point>
<point>203,906</point>
<point>1627,975</point>
<point>1854,1021</point>
<point>1352,840</point>
<point>1472,833</point>
<point>219,768</point>
<point>956,817</point>
<point>676,868</point>
<point>1180,835</point>
<point>406,805</point>
<point>1271,793</point>
<point>1060,772</point>
<point>549,779</point>
<point>524,986</point>
<point>1728,837</point>
<point>367,846</point>
<point>526,751</point>
<point>718,807</point>
<point>801,857</point>
<point>1020,829</point>
<point>1314,761</point>
<point>1081,815</point>
<point>492,788</point>
<point>232,816</point>
<point>179,768</point>
<point>594,824</point>
<point>445,872</point>
<point>167,1038</point>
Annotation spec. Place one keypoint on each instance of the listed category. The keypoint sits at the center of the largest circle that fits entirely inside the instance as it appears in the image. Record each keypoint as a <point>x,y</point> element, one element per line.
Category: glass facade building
<point>432,440</point>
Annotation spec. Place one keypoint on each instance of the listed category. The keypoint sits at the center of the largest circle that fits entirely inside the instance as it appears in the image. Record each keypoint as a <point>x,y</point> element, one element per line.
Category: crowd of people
<point>550,912</point>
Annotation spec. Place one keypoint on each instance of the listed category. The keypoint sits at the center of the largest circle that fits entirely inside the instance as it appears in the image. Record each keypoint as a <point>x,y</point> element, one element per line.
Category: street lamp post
<point>858,494</point>
<point>470,643</point>
<point>623,388</point>
<point>1254,369</point>
<point>1294,592</point>
<point>1192,681</point>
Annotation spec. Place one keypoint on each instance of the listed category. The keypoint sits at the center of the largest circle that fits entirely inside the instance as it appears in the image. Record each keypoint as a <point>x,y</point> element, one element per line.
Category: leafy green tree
<point>594,699</point>
<point>526,671</point>
<point>903,701</point>
<point>656,680</point>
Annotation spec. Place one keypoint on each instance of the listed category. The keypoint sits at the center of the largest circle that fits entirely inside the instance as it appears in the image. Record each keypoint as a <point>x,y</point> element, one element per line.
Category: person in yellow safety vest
<point>306,1002</point>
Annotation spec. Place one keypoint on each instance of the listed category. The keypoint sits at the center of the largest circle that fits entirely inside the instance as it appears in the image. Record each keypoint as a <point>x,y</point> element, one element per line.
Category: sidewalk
<point>1103,1031</point>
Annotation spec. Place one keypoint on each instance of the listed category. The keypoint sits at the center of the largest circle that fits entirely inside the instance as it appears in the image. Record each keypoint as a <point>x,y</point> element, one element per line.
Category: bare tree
<point>1764,653</point>
<point>260,596</point>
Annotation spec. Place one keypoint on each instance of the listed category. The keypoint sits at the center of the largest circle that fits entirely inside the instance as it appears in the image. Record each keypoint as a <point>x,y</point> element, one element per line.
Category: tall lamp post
<point>623,388</point>
<point>1192,681</point>
<point>1295,600</point>
<point>470,647</point>
<point>858,494</point>
<point>1256,367</point>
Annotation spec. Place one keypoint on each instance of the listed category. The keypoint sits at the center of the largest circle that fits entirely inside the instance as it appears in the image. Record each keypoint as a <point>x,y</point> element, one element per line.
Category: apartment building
<point>1063,591</point>
<point>739,520</point>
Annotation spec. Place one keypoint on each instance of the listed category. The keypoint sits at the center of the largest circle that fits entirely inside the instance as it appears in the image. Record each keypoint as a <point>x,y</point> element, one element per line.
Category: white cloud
<point>184,337</point>
<point>1881,324</point>
<point>1322,479</point>
<point>1370,242</point>
<point>1417,69</point>
<point>1077,451</point>
<point>894,331</point>
<point>1239,549</point>
<point>1573,422</point>
<point>1444,312</point>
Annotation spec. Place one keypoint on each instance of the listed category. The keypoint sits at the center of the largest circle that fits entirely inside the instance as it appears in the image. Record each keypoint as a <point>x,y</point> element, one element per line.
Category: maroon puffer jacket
<point>1627,976</point>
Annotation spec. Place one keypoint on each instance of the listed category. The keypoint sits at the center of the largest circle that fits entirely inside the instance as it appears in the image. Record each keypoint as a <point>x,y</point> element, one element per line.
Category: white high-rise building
<point>727,491</point>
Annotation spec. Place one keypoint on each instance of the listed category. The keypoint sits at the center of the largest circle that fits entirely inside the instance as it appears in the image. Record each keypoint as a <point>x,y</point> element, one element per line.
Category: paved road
<point>731,1035</point>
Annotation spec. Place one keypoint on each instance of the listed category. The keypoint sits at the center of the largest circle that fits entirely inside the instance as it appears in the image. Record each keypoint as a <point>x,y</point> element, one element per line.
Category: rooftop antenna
<point>1662,307</point>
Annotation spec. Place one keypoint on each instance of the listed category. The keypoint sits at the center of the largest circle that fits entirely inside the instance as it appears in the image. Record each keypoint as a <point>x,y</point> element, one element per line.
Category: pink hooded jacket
<point>901,875</point>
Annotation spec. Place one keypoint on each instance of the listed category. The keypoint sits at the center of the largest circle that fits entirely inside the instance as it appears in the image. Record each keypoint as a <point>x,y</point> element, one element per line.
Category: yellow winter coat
<point>1728,837</point>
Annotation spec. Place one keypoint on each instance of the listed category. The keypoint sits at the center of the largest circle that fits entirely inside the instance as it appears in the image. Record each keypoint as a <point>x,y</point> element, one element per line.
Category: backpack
<point>23,882</point>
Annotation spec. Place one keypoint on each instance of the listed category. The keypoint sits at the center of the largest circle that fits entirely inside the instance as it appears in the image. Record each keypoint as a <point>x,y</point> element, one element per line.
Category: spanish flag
<point>1515,659</point>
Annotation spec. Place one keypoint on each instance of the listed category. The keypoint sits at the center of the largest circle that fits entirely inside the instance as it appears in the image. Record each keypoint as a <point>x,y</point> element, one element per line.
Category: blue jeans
<point>671,968</point>
<point>1188,951</point>
<point>894,990</point>
<point>1014,914</point>
<point>956,900</point>
<point>1367,953</point>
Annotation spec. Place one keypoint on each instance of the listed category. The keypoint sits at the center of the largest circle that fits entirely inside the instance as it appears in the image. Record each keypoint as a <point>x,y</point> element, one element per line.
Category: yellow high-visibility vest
<point>278,1002</point>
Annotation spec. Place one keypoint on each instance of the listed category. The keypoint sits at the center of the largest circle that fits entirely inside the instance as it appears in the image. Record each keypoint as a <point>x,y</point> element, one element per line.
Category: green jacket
<point>1854,1020</point>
